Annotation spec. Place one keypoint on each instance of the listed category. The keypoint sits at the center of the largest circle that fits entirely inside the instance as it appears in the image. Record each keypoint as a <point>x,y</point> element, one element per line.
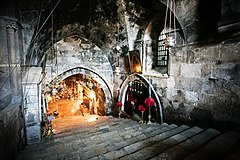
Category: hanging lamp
<point>169,39</point>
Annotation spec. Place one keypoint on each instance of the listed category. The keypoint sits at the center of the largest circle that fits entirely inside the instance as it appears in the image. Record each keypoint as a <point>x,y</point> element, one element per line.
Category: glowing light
<point>92,95</point>
<point>92,118</point>
<point>138,68</point>
<point>50,98</point>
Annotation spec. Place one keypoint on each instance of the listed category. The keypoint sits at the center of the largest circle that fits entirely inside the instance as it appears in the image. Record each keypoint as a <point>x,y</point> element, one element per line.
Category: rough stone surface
<point>191,70</point>
<point>160,141</point>
<point>201,84</point>
<point>31,89</point>
<point>207,83</point>
<point>11,135</point>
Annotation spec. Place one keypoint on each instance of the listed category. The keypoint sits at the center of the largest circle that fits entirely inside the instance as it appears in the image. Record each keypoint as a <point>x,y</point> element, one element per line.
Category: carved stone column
<point>11,29</point>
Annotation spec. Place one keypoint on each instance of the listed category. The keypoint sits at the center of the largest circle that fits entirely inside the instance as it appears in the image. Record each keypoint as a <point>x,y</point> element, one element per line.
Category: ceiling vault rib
<point>45,21</point>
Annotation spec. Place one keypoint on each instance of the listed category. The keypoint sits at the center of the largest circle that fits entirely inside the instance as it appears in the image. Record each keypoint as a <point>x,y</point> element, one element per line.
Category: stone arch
<point>96,77</point>
<point>69,57</point>
<point>44,39</point>
<point>147,39</point>
<point>136,76</point>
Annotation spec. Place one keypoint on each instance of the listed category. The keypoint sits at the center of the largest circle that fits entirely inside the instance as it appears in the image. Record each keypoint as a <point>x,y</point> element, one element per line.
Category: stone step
<point>72,132</point>
<point>86,143</point>
<point>163,142</point>
<point>93,146</point>
<point>216,148</point>
<point>81,134</point>
<point>91,126</point>
<point>102,143</point>
<point>114,147</point>
<point>97,130</point>
<point>117,138</point>
<point>189,146</point>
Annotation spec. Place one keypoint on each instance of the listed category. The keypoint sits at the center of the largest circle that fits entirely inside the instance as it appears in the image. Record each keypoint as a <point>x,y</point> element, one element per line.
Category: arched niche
<point>124,89</point>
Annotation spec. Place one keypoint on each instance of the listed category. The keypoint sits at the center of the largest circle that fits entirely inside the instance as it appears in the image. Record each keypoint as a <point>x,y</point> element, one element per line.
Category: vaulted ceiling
<point>99,21</point>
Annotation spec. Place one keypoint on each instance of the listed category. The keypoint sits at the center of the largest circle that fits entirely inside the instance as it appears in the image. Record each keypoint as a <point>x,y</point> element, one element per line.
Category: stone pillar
<point>5,93</point>
<point>12,135</point>
<point>11,28</point>
<point>32,104</point>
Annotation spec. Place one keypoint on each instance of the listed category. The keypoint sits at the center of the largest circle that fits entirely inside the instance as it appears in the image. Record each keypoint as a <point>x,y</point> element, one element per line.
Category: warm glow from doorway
<point>92,94</point>
<point>50,98</point>
<point>92,118</point>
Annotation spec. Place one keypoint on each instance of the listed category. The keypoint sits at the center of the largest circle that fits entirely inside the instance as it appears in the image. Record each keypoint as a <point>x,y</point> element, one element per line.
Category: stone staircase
<point>118,138</point>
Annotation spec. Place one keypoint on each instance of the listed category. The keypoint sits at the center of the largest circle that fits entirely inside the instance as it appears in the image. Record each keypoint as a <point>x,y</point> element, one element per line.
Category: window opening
<point>162,52</point>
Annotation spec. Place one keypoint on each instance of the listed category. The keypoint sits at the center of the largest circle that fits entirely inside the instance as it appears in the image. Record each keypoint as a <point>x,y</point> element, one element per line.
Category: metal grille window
<point>162,52</point>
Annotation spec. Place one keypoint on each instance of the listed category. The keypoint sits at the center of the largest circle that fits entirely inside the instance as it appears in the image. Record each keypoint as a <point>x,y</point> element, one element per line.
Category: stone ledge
<point>229,27</point>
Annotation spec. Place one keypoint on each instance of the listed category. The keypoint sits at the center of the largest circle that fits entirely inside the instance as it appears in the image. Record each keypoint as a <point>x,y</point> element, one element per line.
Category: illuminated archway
<point>95,77</point>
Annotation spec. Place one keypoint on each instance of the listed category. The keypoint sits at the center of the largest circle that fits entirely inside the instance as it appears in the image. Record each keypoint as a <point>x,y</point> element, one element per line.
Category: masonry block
<point>191,70</point>
<point>33,134</point>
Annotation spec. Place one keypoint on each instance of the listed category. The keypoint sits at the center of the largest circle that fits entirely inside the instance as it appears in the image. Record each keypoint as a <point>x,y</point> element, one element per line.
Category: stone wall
<point>32,104</point>
<point>71,55</point>
<point>11,117</point>
<point>12,133</point>
<point>203,86</point>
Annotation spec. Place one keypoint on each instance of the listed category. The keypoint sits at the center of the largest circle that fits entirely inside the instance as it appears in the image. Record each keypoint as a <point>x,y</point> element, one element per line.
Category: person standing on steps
<point>50,128</point>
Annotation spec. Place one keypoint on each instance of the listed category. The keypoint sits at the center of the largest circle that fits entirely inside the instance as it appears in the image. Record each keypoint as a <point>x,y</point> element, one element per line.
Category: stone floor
<point>107,137</point>
<point>64,107</point>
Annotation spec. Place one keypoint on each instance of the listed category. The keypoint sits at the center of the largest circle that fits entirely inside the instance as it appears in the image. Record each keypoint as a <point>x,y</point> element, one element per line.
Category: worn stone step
<point>93,126</point>
<point>216,148</point>
<point>161,145</point>
<point>88,147</point>
<point>117,138</point>
<point>82,137</point>
<point>163,133</point>
<point>93,129</point>
<point>82,134</point>
<point>113,146</point>
<point>92,142</point>
<point>85,133</point>
<point>83,130</point>
<point>100,144</point>
<point>189,146</point>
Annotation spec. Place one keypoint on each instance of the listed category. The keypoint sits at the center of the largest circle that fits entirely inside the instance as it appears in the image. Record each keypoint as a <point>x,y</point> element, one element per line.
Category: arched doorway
<point>77,95</point>
<point>133,92</point>
<point>74,97</point>
<point>80,86</point>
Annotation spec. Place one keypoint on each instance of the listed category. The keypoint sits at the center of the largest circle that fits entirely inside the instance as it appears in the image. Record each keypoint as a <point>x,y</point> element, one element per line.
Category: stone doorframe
<point>136,76</point>
<point>96,77</point>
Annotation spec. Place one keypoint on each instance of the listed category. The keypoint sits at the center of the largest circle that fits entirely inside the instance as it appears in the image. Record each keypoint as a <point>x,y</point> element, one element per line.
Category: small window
<point>166,40</point>
<point>162,52</point>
